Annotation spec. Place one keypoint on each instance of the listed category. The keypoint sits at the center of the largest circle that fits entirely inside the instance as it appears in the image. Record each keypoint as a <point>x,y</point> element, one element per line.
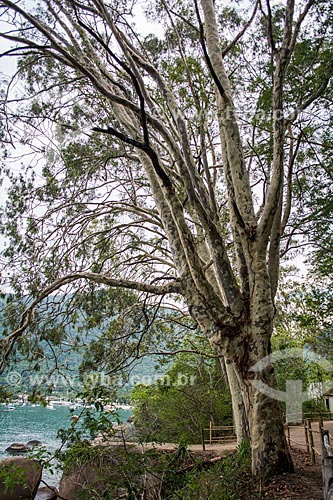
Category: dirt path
<point>304,484</point>
<point>297,441</point>
<point>216,448</point>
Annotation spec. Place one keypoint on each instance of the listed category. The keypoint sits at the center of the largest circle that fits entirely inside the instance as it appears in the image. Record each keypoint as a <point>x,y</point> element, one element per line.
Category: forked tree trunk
<point>255,413</point>
<point>243,349</point>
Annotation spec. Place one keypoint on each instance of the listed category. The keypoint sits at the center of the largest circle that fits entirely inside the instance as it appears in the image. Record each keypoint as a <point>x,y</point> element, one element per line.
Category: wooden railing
<point>314,417</point>
<point>217,434</point>
<point>309,432</point>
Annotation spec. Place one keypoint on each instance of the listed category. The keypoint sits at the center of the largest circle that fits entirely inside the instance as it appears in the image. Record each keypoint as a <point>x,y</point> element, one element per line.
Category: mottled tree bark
<point>252,343</point>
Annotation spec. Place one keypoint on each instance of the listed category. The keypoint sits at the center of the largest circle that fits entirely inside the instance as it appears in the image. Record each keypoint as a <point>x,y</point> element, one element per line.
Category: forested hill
<point>46,364</point>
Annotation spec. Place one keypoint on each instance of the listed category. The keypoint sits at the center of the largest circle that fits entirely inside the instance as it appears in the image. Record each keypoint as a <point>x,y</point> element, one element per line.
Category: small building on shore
<point>328,398</point>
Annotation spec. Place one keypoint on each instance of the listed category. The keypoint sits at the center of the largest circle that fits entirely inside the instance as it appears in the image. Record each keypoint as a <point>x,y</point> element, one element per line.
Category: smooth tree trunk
<point>239,411</point>
<point>268,443</point>
<point>245,346</point>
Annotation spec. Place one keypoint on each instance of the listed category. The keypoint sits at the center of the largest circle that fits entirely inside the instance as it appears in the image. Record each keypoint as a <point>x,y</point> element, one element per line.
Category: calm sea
<point>27,422</point>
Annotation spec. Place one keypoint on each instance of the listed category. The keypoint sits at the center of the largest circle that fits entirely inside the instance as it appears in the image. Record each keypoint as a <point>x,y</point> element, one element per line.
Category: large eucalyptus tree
<point>152,180</point>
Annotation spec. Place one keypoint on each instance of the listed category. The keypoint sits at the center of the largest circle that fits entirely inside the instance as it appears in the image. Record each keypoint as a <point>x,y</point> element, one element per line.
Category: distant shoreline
<point>74,404</point>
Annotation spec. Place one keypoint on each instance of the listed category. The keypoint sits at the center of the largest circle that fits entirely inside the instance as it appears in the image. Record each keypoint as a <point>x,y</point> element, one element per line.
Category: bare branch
<point>292,158</point>
<point>299,22</point>
<point>269,25</point>
<point>242,32</point>
<point>328,73</point>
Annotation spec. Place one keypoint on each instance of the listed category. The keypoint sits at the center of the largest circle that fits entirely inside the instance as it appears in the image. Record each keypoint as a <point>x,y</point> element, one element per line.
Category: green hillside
<point>54,365</point>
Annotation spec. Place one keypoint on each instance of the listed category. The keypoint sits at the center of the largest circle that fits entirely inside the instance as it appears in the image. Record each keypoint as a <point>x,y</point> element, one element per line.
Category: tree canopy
<point>178,167</point>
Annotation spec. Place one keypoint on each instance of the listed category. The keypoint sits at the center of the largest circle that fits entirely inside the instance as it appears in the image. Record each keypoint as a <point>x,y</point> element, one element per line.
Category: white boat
<point>60,403</point>
<point>50,406</point>
<point>9,407</point>
<point>119,406</point>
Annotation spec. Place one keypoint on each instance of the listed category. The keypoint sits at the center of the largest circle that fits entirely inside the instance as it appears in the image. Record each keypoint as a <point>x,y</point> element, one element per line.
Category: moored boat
<point>8,407</point>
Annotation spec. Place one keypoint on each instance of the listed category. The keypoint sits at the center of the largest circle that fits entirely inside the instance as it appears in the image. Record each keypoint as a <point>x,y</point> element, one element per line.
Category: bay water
<point>36,422</point>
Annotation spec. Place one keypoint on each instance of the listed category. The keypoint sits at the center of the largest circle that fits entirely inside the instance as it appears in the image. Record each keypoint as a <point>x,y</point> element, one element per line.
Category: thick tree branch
<point>292,158</point>
<point>8,342</point>
<point>288,30</point>
<point>233,150</point>
<point>272,211</point>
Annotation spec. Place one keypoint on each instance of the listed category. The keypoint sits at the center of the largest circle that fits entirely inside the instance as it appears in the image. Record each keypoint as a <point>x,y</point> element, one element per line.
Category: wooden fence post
<point>203,438</point>
<point>327,465</point>
<point>288,434</point>
<point>306,429</point>
<point>312,451</point>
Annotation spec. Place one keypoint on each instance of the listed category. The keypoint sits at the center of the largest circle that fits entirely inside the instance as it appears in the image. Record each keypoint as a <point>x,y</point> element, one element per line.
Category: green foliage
<point>179,474</point>
<point>5,394</point>
<point>108,332</point>
<point>92,421</point>
<point>108,472</point>
<point>174,409</point>
<point>304,317</point>
<point>13,475</point>
<point>229,479</point>
<point>304,322</point>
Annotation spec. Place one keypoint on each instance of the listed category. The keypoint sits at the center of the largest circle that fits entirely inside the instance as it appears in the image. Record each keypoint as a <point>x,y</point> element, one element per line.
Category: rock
<point>102,470</point>
<point>114,471</point>
<point>17,449</point>
<point>34,442</point>
<point>19,478</point>
<point>47,493</point>
<point>126,432</point>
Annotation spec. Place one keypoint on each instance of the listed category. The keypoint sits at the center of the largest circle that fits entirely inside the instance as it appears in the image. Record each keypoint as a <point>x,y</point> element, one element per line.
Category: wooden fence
<point>309,439</point>
<point>315,439</point>
<point>217,434</point>
<point>310,433</point>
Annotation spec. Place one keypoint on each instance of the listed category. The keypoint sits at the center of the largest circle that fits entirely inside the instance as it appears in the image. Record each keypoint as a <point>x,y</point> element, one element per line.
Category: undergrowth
<point>229,479</point>
<point>164,475</point>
